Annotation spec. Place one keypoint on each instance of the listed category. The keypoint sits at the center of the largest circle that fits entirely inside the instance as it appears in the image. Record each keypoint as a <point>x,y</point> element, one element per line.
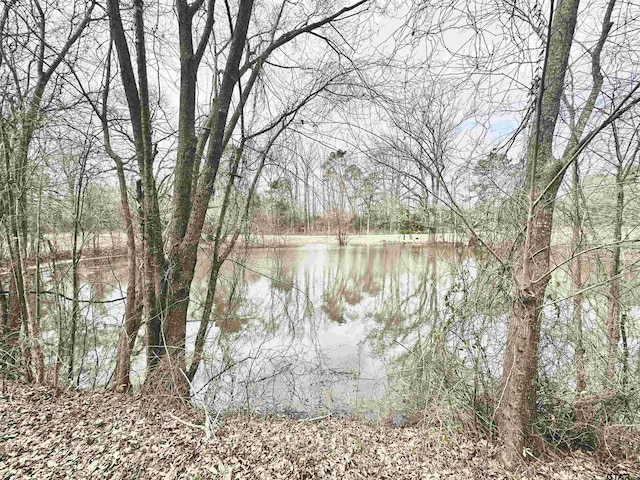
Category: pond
<point>297,330</point>
<point>310,329</point>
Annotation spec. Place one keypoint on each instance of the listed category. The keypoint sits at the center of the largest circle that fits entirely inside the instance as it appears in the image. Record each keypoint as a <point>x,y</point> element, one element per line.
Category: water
<point>310,329</point>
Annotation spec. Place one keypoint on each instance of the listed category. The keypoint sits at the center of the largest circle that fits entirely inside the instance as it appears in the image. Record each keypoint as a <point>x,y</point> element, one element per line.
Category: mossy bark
<point>516,406</point>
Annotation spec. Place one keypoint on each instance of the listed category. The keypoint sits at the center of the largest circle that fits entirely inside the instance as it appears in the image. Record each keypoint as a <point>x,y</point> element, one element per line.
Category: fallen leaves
<point>87,435</point>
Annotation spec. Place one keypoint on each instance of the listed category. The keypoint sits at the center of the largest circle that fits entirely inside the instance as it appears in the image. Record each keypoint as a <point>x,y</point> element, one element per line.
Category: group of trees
<point>335,195</point>
<point>198,111</point>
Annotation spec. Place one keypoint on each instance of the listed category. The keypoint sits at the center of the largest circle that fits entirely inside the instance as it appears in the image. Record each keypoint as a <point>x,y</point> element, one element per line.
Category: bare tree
<point>169,261</point>
<point>545,172</point>
<point>423,122</point>
<point>559,132</point>
<point>36,39</point>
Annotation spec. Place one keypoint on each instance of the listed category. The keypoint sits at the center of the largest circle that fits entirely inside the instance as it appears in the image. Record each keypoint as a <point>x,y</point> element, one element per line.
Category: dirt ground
<point>82,435</point>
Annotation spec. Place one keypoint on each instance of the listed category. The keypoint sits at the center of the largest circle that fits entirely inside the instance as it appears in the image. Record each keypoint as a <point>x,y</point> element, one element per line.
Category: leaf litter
<point>46,434</point>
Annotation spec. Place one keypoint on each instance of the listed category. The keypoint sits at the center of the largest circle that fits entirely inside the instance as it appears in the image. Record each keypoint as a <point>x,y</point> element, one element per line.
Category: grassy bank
<point>373,239</point>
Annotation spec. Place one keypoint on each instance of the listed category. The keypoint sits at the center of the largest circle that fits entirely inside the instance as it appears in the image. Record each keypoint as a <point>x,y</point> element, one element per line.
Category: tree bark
<point>133,306</point>
<point>518,392</point>
<point>516,407</point>
<point>543,177</point>
<point>182,256</point>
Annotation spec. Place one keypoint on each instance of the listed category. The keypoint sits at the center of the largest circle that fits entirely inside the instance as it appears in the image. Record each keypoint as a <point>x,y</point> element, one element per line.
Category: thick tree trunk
<point>185,235</point>
<point>516,406</point>
<point>518,391</point>
<point>170,373</point>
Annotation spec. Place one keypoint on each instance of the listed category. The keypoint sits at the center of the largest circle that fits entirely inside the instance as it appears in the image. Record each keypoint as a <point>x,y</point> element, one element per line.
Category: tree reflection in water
<point>319,326</point>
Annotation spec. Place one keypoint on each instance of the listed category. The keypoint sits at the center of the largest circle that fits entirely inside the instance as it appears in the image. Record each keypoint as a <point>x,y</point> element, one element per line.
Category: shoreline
<point>422,239</point>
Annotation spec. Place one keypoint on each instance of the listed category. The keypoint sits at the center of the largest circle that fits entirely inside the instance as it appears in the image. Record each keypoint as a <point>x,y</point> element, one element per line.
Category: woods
<point>465,174</point>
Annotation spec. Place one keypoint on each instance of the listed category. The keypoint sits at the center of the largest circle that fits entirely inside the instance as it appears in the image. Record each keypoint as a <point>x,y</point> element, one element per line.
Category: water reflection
<point>296,330</point>
<point>307,329</point>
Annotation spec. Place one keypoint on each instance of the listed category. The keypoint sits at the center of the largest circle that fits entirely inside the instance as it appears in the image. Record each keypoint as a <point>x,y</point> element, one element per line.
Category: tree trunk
<point>582,415</point>
<point>185,236</point>
<point>11,330</point>
<point>612,325</point>
<point>4,311</point>
<point>133,305</point>
<point>8,350</point>
<point>19,305</point>
<point>518,393</point>
<point>217,259</point>
<point>531,264</point>
<point>75,265</point>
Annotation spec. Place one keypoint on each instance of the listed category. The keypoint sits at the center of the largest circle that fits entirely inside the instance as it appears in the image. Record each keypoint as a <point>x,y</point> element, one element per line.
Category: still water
<point>299,331</point>
<point>313,329</point>
<point>310,329</point>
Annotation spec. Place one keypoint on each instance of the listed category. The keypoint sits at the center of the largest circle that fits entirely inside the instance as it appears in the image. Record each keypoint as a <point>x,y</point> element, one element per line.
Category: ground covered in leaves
<point>77,435</point>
